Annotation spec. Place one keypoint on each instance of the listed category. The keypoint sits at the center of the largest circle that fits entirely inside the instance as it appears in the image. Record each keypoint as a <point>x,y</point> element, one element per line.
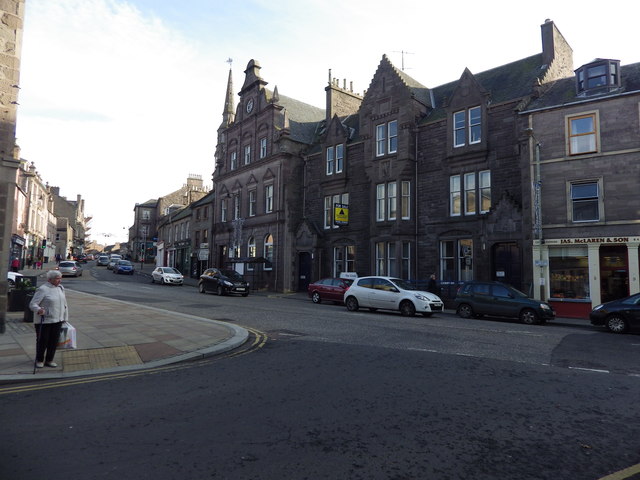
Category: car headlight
<point>544,306</point>
<point>228,283</point>
<point>598,307</point>
<point>419,296</point>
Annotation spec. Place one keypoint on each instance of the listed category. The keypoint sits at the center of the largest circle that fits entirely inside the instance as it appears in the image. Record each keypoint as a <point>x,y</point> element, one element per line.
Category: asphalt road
<point>338,395</point>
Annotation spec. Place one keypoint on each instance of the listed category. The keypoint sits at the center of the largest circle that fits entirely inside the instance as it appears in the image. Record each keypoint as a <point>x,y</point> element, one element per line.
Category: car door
<point>504,303</point>
<point>383,294</point>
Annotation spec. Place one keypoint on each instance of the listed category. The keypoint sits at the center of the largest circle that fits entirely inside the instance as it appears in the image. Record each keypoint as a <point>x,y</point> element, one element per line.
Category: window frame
<point>268,198</point>
<point>570,135</point>
<point>268,251</point>
<point>381,202</point>
<point>330,160</point>
<point>573,202</point>
<point>392,136</point>
<point>233,160</point>
<point>470,201</point>
<point>455,196</point>
<point>252,203</point>
<point>339,155</point>
<point>484,190</point>
<point>381,139</point>
<point>405,203</point>
<point>263,147</point>
<point>467,127</point>
<point>247,154</point>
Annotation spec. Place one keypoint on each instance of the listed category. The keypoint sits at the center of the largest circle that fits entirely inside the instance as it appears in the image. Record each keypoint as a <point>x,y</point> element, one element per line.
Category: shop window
<point>569,272</point>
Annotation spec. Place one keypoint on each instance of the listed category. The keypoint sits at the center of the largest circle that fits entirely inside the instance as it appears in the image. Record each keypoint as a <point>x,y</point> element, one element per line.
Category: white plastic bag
<point>67,336</point>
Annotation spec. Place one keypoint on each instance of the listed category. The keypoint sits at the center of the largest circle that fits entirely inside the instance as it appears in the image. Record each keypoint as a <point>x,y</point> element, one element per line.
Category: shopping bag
<point>67,336</point>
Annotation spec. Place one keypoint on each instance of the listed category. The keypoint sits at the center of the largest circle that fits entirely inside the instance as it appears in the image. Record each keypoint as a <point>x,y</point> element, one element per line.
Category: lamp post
<point>537,211</point>
<point>143,247</point>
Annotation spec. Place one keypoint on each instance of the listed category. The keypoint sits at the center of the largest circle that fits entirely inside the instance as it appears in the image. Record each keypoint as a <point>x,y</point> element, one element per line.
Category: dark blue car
<point>123,266</point>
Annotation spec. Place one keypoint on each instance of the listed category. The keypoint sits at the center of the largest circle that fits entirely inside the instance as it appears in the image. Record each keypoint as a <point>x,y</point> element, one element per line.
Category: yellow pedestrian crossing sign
<point>341,214</point>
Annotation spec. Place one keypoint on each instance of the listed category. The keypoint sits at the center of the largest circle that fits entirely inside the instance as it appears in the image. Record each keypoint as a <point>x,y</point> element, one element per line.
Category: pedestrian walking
<point>15,264</point>
<point>50,303</point>
<point>432,286</point>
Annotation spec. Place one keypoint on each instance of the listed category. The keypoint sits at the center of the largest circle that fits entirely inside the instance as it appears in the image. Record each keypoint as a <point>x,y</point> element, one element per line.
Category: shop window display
<point>569,273</point>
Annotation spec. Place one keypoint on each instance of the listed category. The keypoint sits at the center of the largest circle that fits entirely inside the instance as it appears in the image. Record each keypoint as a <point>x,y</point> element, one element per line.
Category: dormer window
<point>467,127</point>
<point>598,76</point>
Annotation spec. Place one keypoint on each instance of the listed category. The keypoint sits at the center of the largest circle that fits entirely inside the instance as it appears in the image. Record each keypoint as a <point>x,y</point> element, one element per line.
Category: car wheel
<point>220,290</point>
<point>616,324</point>
<point>201,287</point>
<point>163,282</point>
<point>352,304</point>
<point>315,298</point>
<point>407,309</point>
<point>153,280</point>
<point>528,316</point>
<point>465,311</point>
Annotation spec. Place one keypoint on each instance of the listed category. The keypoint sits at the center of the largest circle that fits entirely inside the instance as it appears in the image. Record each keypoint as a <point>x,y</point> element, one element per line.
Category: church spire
<point>228,115</point>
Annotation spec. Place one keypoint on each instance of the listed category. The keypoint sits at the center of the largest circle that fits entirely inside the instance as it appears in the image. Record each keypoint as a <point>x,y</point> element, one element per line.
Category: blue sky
<point>120,99</point>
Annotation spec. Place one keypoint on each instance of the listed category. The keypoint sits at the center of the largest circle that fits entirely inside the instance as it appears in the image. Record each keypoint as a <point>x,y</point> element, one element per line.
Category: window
<point>330,202</point>
<point>598,76</point>
<point>268,199</point>
<point>391,259</point>
<point>251,251</point>
<point>485,191</point>
<point>392,201</point>
<point>236,207</point>
<point>223,210</point>
<point>268,252</point>
<point>338,260</point>
<point>456,260</point>
<point>339,158</point>
<point>252,203</point>
<point>233,161</point>
<point>470,194</point>
<point>380,202</point>
<point>205,212</point>
<point>406,201</point>
<point>247,154</point>
<point>569,272</point>
<point>470,120</point>
<point>585,202</point>
<point>387,138</point>
<point>454,195</point>
<point>263,147</point>
<point>406,260</point>
<point>380,263</point>
<point>582,134</point>
<point>146,215</point>
<point>330,160</point>
<point>381,138</point>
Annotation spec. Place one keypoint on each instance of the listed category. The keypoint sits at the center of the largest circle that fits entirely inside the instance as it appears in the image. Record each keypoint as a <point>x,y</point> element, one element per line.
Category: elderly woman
<point>50,303</point>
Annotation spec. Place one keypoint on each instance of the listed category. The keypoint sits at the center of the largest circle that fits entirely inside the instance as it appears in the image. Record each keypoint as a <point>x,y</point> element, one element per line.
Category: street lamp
<point>537,211</point>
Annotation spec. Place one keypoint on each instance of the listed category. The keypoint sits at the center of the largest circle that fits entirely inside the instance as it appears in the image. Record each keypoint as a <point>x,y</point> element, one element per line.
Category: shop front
<point>584,272</point>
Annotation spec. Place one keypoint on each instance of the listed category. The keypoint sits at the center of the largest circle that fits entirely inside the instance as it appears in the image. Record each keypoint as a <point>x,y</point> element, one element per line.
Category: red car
<point>330,289</point>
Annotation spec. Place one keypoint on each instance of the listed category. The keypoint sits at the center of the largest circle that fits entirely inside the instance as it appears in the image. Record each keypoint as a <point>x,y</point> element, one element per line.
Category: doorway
<point>304,271</point>
<point>507,264</point>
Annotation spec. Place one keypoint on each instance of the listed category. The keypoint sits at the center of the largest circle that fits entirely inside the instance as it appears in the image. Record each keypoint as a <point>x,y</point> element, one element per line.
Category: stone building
<point>258,181</point>
<point>71,225</point>
<point>584,148</point>
<point>11,28</point>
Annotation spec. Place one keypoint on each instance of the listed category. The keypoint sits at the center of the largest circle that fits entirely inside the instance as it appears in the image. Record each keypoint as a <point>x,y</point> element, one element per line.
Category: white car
<point>167,275</point>
<point>388,293</point>
<point>11,278</point>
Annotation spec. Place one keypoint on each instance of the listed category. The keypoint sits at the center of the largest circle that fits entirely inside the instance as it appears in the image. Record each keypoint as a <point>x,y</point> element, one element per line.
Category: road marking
<point>627,473</point>
<point>590,369</point>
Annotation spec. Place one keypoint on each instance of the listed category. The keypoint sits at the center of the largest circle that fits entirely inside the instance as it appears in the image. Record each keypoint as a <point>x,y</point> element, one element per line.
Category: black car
<point>619,316</point>
<point>223,281</point>
<point>475,299</point>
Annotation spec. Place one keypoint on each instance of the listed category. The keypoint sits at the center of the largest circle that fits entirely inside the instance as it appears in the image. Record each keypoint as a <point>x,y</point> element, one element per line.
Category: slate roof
<point>563,91</point>
<point>508,82</point>
<point>303,118</point>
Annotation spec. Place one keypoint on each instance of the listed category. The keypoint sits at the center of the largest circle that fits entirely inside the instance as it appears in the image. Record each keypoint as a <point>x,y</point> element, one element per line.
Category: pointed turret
<point>228,115</point>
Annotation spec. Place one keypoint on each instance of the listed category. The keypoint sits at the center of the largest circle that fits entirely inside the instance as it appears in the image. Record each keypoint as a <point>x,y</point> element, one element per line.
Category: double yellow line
<point>257,340</point>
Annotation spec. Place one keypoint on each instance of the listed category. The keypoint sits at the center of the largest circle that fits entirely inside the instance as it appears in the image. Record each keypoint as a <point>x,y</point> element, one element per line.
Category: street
<point>339,395</point>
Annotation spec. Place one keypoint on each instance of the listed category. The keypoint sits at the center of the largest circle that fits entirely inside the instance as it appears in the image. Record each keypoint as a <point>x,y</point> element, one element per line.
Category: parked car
<point>619,316</point>
<point>329,289</point>
<point>70,268</point>
<point>167,275</point>
<point>112,263</point>
<point>475,299</point>
<point>123,266</point>
<point>11,279</point>
<point>389,293</point>
<point>103,261</point>
<point>223,281</point>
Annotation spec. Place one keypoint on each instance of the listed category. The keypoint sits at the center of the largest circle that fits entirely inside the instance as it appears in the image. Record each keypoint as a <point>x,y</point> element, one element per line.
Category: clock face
<point>249,105</point>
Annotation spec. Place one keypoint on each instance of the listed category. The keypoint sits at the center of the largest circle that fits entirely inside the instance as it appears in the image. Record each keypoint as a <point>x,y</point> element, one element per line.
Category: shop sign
<point>592,240</point>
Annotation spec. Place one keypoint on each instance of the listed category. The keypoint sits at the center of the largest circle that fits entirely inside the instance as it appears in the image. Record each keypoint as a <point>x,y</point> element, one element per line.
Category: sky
<point>120,100</point>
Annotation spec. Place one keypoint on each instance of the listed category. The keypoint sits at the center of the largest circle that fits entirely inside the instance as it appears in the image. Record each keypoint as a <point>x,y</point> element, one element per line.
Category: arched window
<point>251,251</point>
<point>268,252</point>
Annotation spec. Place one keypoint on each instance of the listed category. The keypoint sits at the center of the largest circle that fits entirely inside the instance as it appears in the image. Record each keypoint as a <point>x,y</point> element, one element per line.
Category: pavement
<point>113,336</point>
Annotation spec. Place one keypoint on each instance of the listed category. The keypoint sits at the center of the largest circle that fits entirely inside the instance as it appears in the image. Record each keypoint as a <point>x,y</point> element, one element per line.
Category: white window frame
<point>455,198</point>
<point>380,248</point>
<point>470,193</point>
<point>392,264</point>
<point>576,200</point>
<point>392,200</point>
<point>405,192</point>
<point>268,251</point>
<point>252,203</point>
<point>392,133</point>
<point>223,210</point>
<point>268,198</point>
<point>475,125</point>
<point>233,161</point>
<point>339,157</point>
<point>484,180</point>
<point>330,160</point>
<point>251,251</point>
<point>263,147</point>
<point>328,212</point>
<point>381,139</point>
<point>467,126</point>
<point>381,201</point>
<point>459,128</point>
<point>247,154</point>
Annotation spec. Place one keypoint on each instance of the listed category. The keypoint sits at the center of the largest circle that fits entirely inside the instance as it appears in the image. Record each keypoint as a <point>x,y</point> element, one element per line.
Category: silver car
<point>167,276</point>
<point>70,268</point>
<point>389,293</point>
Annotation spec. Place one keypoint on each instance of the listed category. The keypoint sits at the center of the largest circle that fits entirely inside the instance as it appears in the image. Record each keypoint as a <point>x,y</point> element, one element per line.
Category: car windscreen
<point>403,284</point>
<point>171,270</point>
<point>124,262</point>
<point>67,264</point>
<point>231,274</point>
